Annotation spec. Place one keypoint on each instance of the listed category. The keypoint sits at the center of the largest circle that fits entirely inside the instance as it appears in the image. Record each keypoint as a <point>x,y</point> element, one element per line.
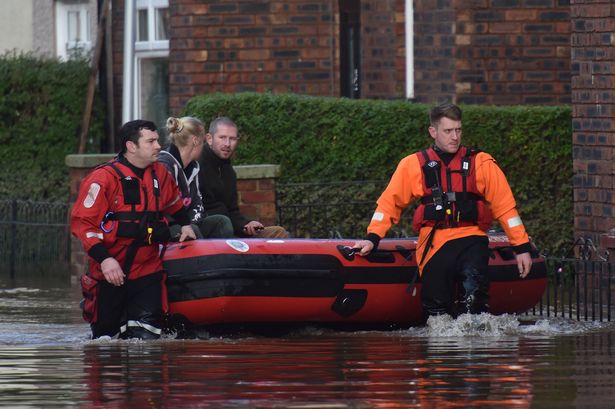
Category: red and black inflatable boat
<point>313,281</point>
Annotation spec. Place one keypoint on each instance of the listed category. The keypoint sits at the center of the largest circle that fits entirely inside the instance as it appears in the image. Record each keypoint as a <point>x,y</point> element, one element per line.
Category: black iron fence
<point>579,288</point>
<point>35,235</point>
<point>327,210</point>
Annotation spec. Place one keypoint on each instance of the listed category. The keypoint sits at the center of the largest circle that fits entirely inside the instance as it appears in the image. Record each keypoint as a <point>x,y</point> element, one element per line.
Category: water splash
<point>488,325</point>
<point>19,290</point>
<point>563,326</point>
<point>467,325</point>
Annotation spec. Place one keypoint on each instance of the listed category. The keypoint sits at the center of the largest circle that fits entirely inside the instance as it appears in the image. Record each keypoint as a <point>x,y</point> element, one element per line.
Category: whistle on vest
<point>149,235</point>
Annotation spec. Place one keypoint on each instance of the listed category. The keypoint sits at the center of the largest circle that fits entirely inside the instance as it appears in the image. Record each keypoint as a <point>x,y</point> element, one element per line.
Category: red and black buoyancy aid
<point>144,226</point>
<point>451,196</point>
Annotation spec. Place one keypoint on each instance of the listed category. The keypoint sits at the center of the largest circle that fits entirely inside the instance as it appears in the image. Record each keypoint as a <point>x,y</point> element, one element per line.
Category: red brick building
<point>479,51</point>
<point>501,52</point>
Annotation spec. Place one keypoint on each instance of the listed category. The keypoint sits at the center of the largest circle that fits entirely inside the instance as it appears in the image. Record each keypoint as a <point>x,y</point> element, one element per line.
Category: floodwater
<point>47,361</point>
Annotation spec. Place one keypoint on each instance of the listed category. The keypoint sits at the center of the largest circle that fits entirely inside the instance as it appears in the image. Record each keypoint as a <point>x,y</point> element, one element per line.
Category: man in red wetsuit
<point>118,217</point>
<point>461,190</point>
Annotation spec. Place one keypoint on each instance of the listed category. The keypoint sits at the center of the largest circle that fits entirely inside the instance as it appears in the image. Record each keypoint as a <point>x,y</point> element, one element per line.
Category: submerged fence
<point>578,288</point>
<point>35,235</point>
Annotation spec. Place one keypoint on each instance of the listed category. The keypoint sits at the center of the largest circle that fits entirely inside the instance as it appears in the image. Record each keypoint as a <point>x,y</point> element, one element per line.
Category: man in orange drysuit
<point>118,217</point>
<point>460,189</point>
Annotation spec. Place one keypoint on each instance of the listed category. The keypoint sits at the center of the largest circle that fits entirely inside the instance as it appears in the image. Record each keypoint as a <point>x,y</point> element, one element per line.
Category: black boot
<point>475,294</point>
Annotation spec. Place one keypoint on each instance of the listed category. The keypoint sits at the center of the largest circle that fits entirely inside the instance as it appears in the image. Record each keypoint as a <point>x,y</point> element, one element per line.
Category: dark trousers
<point>133,310</point>
<point>465,261</point>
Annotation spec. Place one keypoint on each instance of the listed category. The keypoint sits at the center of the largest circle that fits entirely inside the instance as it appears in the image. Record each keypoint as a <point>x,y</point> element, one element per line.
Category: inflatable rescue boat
<point>312,281</point>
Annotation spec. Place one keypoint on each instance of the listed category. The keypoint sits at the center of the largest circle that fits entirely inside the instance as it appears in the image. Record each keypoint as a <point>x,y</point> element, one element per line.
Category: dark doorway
<point>350,48</point>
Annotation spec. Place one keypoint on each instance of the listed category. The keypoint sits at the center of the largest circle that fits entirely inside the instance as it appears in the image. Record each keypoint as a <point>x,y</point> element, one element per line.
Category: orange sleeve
<point>491,181</point>
<point>404,187</point>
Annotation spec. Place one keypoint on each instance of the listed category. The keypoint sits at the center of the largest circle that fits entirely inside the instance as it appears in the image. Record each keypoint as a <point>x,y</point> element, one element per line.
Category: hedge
<point>41,106</point>
<point>333,139</point>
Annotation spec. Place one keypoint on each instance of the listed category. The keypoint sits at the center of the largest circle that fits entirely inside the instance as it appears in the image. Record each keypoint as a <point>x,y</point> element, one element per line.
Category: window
<point>153,89</point>
<point>152,25</point>
<point>73,28</point>
<point>150,63</point>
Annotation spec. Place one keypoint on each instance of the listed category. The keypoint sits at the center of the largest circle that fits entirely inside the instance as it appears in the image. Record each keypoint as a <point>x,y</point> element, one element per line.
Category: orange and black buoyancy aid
<point>451,196</point>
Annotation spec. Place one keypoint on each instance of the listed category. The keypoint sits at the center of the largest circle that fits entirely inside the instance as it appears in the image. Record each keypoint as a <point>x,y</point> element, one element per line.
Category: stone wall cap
<point>257,171</point>
<point>91,160</point>
<point>87,160</point>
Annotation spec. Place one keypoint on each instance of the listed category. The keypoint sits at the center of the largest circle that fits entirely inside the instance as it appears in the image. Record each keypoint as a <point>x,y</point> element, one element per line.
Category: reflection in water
<point>351,370</point>
<point>46,359</point>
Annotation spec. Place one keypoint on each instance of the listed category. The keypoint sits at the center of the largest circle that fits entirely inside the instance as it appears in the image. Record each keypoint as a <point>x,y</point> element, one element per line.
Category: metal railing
<point>330,210</point>
<point>580,286</point>
<point>33,235</point>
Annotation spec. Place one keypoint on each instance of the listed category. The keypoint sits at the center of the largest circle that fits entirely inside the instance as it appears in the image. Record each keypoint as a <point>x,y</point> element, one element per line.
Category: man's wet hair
<point>130,131</point>
<point>444,110</point>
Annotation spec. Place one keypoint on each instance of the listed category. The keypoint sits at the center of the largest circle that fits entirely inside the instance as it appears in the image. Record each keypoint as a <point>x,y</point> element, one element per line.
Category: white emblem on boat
<point>238,245</point>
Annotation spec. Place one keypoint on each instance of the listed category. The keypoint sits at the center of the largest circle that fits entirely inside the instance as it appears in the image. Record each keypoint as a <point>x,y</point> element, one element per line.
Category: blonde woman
<point>186,137</point>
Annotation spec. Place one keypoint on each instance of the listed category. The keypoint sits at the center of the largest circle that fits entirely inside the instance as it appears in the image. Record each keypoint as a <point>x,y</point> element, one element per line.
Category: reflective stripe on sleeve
<point>378,216</point>
<point>91,234</point>
<point>514,222</point>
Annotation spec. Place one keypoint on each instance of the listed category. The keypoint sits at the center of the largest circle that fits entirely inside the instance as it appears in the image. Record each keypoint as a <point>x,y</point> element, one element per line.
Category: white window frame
<point>151,44</point>
<point>136,51</point>
<point>62,10</point>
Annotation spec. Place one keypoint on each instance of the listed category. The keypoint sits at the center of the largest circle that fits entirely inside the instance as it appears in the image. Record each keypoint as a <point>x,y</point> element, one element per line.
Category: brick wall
<point>117,41</point>
<point>514,52</point>
<point>434,50</point>
<point>593,99</point>
<point>382,35</point>
<point>234,46</point>
<point>469,51</point>
<point>500,52</point>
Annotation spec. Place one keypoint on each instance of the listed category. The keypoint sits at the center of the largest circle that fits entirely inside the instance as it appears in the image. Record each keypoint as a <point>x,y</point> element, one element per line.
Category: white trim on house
<point>128,61</point>
<point>73,28</point>
<point>409,20</point>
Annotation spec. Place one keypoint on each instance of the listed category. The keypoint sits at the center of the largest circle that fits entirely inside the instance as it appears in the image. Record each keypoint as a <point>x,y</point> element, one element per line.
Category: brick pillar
<point>255,183</point>
<point>593,101</point>
<point>607,242</point>
<point>256,188</point>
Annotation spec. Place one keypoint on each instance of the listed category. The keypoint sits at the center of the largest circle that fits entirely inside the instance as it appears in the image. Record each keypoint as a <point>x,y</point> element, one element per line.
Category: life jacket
<point>144,226</point>
<point>451,196</point>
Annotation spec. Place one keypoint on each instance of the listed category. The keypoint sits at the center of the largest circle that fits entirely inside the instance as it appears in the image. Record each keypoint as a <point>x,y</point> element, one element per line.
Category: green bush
<point>333,139</point>
<point>41,105</point>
